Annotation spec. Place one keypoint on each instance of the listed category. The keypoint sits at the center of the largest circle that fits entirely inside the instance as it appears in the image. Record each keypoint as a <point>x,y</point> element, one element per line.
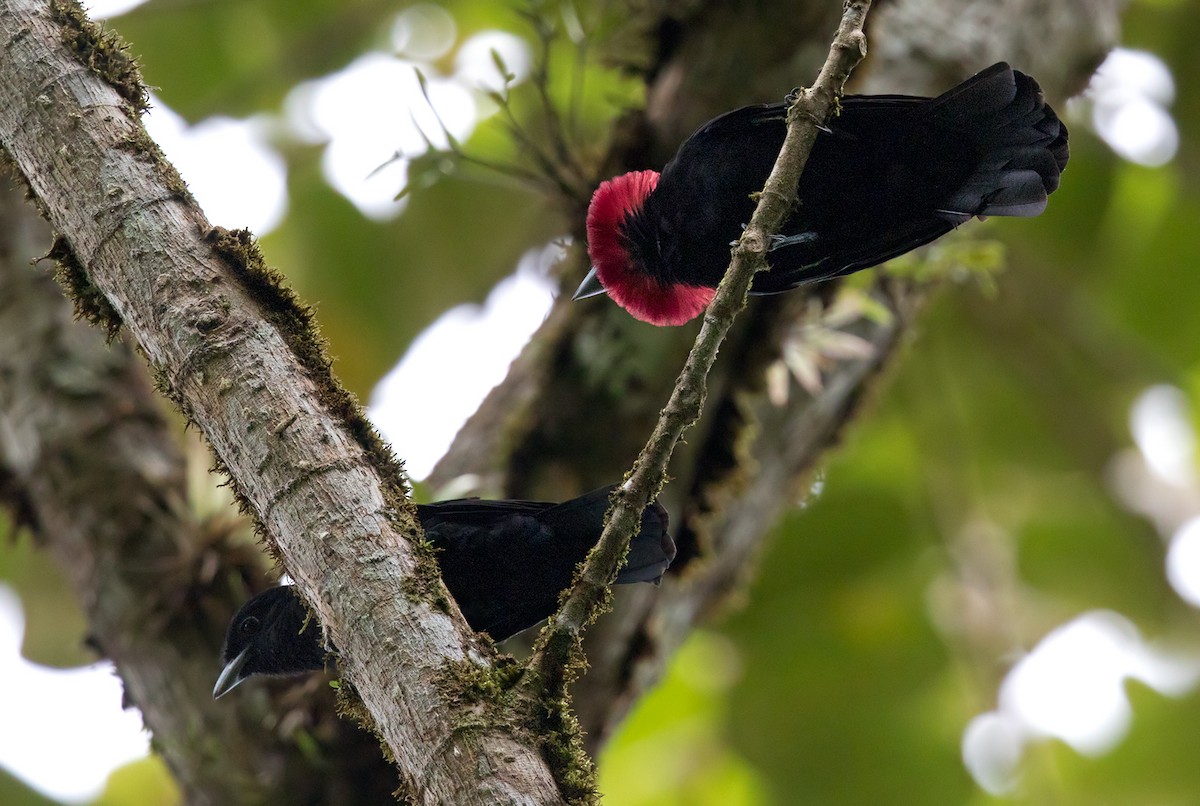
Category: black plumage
<point>504,562</point>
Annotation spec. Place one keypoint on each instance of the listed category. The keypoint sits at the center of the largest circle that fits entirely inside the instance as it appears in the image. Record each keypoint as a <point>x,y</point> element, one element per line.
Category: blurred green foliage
<point>848,676</point>
<point>1006,411</point>
<point>146,782</point>
<point>54,625</point>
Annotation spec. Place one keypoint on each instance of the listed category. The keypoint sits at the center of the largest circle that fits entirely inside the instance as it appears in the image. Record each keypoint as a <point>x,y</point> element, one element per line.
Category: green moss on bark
<point>103,51</point>
<point>90,303</point>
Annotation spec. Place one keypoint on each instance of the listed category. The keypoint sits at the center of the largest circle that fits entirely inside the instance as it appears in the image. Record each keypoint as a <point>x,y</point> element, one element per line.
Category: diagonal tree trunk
<point>91,466</point>
<point>239,355</point>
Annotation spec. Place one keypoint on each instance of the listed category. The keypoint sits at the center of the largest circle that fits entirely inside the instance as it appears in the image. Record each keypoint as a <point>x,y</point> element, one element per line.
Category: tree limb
<point>239,356</point>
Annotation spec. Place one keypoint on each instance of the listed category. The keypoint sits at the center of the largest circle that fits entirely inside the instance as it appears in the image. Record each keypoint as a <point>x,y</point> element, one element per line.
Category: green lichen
<point>561,741</point>
<point>463,682</point>
<point>507,697</point>
<point>350,705</point>
<point>103,51</point>
<point>90,302</point>
<point>403,797</point>
<point>545,713</point>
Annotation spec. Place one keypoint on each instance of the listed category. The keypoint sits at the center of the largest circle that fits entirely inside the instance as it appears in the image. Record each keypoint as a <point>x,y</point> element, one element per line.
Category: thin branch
<point>557,643</point>
<point>550,175</point>
<point>563,158</point>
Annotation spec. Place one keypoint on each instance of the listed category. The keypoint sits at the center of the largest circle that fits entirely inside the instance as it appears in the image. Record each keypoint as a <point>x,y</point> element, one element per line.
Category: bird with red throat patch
<point>890,173</point>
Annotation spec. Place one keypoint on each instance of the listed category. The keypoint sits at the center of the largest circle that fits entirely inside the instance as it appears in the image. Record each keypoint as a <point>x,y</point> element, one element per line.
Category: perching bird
<point>891,172</point>
<point>504,562</point>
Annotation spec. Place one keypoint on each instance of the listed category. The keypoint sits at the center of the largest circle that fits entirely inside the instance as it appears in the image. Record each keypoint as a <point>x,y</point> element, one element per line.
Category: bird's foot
<point>779,241</point>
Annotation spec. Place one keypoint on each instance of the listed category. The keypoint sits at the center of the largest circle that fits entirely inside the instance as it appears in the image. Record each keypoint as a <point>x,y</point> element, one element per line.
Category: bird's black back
<point>506,562</point>
<point>894,172</point>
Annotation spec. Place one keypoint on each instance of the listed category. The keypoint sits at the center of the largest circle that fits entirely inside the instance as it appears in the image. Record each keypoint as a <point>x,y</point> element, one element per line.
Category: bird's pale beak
<point>231,675</point>
<point>590,287</point>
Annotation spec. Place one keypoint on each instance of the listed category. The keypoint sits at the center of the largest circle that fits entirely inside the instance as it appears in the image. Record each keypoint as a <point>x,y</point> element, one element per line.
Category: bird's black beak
<point>231,675</point>
<point>590,287</point>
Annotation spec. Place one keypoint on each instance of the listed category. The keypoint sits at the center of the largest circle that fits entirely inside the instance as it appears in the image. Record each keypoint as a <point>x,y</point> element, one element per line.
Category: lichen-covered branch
<point>239,356</point>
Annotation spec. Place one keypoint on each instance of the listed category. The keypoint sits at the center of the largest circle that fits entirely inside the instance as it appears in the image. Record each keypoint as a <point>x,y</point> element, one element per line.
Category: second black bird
<point>504,562</point>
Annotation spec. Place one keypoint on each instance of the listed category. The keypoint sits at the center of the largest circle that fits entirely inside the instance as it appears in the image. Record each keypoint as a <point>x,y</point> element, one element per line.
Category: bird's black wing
<point>506,566</point>
<point>476,510</point>
<point>581,520</point>
<point>897,172</point>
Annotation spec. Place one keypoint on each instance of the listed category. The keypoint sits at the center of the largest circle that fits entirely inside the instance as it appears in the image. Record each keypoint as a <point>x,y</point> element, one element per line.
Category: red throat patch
<point>644,296</point>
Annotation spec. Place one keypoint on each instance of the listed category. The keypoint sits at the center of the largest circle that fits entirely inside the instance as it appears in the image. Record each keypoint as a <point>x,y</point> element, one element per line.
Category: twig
<point>556,647</point>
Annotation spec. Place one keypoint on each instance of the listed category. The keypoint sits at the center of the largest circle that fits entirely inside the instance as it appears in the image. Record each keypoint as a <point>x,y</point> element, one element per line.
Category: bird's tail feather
<point>650,551</point>
<point>1025,149</point>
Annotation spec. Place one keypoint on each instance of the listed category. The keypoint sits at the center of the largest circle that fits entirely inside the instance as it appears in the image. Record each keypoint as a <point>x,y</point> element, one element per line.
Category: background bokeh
<point>991,592</point>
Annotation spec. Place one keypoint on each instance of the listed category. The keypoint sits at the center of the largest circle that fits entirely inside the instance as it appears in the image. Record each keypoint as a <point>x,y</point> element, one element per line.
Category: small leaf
<point>505,73</point>
<point>423,83</point>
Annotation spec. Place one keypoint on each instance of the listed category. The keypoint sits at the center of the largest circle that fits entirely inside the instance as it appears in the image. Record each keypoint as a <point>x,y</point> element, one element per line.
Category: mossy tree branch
<point>101,484</point>
<point>553,654</point>
<point>240,357</point>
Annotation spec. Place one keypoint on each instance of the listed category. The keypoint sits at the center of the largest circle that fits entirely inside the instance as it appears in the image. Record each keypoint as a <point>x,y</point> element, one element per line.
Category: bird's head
<point>626,247</point>
<point>271,634</point>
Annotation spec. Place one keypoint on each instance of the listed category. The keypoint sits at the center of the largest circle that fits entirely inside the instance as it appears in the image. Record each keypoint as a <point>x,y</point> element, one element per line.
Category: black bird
<point>504,562</point>
<point>891,172</point>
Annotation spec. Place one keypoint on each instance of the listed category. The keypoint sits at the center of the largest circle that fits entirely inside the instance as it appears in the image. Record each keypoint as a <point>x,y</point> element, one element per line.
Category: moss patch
<point>103,51</point>
<point>548,714</point>
<point>463,682</point>
<point>90,302</point>
<point>508,697</point>
<point>294,320</point>
<point>561,741</point>
<point>143,145</point>
<point>426,584</point>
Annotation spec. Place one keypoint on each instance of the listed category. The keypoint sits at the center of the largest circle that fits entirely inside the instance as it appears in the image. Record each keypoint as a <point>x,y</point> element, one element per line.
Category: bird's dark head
<point>625,244</point>
<point>271,634</point>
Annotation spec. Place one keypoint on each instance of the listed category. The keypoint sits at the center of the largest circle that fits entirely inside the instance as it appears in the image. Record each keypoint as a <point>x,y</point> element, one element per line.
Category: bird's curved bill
<point>590,287</point>
<point>231,675</point>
